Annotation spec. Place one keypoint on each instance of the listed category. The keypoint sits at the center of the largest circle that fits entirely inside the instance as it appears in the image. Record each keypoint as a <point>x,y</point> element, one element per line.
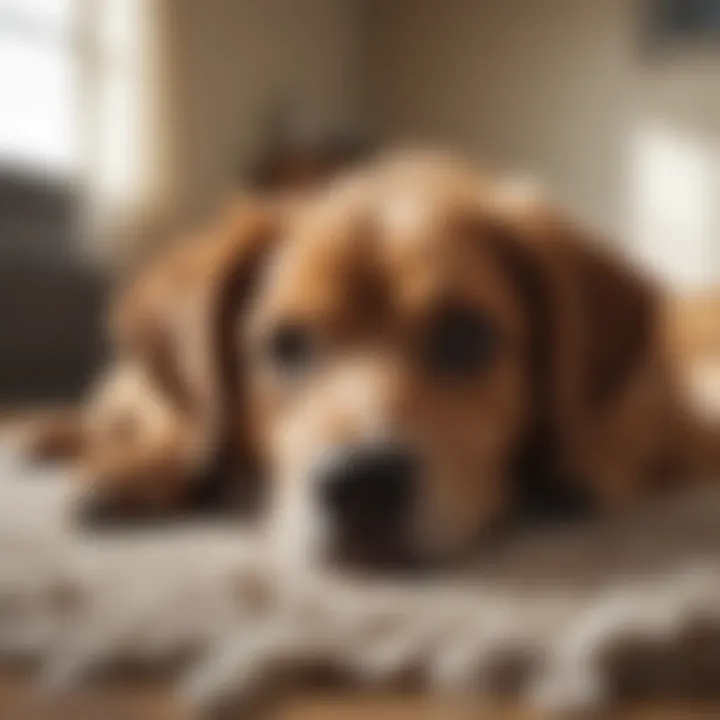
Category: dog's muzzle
<point>367,491</point>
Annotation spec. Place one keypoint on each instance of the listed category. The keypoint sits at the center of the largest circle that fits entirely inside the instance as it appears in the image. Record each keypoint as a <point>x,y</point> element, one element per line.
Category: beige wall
<point>236,56</point>
<point>561,89</point>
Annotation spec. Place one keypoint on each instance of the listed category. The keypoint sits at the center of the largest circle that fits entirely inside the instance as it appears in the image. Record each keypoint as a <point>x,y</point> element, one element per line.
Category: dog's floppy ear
<point>605,313</point>
<point>593,318</point>
<point>176,320</point>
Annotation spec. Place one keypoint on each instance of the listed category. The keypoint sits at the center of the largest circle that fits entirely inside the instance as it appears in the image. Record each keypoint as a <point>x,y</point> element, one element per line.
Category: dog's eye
<point>460,343</point>
<point>290,348</point>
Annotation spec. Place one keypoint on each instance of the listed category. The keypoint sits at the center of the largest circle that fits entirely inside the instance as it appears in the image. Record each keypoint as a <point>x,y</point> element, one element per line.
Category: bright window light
<point>39,86</point>
<point>673,205</point>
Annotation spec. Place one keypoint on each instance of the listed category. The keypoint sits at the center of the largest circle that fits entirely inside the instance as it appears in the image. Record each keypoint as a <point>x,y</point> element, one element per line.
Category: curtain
<point>129,126</point>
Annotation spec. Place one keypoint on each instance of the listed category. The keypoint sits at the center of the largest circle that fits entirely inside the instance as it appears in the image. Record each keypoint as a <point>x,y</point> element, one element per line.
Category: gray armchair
<point>51,302</point>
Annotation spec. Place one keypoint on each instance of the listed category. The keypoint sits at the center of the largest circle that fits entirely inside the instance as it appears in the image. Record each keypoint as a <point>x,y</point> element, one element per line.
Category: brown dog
<point>405,359</point>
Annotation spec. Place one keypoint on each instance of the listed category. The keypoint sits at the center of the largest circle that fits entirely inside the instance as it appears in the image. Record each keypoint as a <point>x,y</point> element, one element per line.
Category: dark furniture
<point>51,299</point>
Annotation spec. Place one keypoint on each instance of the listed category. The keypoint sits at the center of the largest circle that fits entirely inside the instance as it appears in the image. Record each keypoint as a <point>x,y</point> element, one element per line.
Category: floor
<point>20,701</point>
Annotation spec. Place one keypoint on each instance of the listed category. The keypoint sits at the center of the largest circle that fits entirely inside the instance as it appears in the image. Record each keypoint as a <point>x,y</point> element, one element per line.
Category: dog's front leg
<point>142,481</point>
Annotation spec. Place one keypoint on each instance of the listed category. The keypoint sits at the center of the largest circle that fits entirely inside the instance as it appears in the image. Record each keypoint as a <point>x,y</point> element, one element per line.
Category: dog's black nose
<point>368,488</point>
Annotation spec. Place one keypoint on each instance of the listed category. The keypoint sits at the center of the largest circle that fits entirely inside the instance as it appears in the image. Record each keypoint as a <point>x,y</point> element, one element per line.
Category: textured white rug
<point>568,619</point>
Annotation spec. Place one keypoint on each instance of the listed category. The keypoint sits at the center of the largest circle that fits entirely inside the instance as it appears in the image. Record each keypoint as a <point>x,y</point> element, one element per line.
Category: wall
<point>563,90</point>
<point>235,57</point>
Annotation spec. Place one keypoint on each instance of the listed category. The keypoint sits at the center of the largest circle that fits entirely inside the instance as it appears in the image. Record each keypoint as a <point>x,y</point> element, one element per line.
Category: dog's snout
<point>368,489</point>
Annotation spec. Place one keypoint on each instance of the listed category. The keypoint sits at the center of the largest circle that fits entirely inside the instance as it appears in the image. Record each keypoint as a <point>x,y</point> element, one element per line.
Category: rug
<point>567,619</point>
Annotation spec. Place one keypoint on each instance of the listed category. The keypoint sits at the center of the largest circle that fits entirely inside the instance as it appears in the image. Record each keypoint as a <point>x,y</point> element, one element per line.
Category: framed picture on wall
<point>682,23</point>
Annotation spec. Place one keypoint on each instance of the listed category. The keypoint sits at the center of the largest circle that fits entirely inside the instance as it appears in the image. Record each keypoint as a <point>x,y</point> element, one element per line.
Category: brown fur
<point>583,398</point>
<point>157,419</point>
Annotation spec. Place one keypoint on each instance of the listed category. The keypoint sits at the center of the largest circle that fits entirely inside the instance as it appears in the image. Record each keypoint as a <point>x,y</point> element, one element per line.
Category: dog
<point>402,362</point>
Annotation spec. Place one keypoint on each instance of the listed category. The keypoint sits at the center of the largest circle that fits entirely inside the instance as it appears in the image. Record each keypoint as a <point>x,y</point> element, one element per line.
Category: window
<point>39,86</point>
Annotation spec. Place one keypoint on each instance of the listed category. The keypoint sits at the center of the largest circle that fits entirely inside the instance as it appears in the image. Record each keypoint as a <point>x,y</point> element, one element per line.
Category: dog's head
<point>409,353</point>
<point>385,348</point>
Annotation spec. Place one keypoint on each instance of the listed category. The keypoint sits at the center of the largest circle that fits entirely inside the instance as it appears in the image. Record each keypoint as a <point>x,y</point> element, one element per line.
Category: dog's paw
<point>105,508</point>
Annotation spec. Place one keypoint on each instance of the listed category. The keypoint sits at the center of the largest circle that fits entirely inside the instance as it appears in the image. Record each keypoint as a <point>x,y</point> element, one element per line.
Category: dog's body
<point>417,321</point>
<point>152,426</point>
